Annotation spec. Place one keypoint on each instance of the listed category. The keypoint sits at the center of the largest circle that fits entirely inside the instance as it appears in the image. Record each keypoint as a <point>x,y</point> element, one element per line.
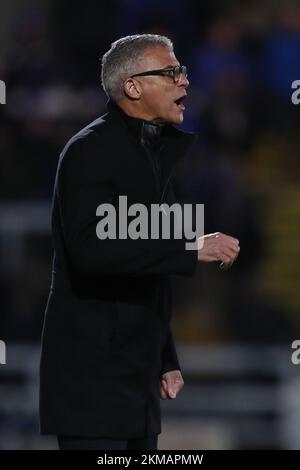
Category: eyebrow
<point>170,66</point>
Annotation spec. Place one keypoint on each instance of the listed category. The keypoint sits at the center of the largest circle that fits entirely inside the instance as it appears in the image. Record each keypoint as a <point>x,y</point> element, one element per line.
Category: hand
<point>171,383</point>
<point>218,247</point>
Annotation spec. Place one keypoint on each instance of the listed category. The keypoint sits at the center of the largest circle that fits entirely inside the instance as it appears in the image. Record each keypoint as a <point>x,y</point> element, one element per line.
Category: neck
<point>132,109</point>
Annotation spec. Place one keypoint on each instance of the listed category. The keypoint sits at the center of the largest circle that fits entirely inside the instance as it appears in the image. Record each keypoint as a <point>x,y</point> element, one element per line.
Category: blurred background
<point>234,329</point>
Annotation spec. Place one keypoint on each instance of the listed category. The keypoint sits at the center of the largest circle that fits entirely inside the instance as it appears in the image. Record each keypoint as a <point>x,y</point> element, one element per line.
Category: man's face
<point>159,93</point>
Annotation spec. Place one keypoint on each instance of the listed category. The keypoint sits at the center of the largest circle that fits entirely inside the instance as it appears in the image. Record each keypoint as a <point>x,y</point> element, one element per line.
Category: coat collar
<point>135,125</point>
<point>176,142</point>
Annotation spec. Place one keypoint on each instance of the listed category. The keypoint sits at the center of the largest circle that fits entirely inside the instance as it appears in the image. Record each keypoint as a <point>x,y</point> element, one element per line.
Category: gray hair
<point>123,60</point>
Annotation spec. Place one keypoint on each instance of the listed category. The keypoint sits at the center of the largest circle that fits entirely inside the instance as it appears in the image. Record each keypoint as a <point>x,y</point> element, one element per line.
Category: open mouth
<point>179,102</point>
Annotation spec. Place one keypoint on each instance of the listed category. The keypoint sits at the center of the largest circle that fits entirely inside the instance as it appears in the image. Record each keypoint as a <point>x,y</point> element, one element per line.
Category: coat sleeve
<point>84,181</point>
<point>169,359</point>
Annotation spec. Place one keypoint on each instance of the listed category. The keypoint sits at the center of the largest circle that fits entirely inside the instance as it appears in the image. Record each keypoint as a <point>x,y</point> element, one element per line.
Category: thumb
<point>170,388</point>
<point>164,385</point>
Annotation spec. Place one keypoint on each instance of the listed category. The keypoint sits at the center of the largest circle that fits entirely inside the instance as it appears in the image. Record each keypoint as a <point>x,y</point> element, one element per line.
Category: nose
<point>183,81</point>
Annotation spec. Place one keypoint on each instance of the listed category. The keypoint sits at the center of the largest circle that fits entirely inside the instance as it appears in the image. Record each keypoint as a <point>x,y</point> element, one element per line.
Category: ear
<point>132,89</point>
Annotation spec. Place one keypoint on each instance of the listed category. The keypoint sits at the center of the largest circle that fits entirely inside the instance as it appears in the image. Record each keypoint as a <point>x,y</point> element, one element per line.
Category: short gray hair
<point>123,58</point>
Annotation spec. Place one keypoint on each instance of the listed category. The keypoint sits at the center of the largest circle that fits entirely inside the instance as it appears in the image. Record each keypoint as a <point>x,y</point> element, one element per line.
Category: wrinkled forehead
<point>159,58</point>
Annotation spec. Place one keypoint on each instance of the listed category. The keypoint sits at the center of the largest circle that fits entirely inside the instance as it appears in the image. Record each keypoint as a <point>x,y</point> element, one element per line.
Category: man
<point>108,354</point>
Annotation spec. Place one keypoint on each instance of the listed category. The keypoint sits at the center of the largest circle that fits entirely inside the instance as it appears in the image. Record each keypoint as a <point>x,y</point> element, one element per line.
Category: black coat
<point>106,338</point>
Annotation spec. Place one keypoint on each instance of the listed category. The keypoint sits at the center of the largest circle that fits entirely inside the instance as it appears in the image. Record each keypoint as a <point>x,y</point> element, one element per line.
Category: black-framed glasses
<point>173,72</point>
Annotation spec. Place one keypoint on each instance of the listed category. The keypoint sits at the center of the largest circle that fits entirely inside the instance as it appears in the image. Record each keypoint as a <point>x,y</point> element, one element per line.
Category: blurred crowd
<point>242,58</point>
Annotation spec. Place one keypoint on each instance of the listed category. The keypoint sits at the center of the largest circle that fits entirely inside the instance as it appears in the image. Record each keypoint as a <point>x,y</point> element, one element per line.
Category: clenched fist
<point>218,247</point>
<point>171,384</point>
